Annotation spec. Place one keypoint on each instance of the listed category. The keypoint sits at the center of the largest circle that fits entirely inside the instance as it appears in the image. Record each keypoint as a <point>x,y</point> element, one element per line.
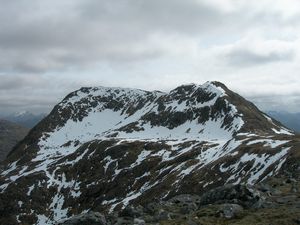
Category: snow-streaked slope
<point>158,142</point>
<point>101,123</point>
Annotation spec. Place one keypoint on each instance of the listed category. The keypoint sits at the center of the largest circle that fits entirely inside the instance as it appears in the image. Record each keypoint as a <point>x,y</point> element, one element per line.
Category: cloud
<point>61,35</point>
<point>48,48</point>
<point>32,92</point>
<point>249,52</point>
<point>56,36</point>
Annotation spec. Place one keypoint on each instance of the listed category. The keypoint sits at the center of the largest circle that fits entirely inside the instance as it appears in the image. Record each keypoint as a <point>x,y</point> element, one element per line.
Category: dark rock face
<point>109,149</point>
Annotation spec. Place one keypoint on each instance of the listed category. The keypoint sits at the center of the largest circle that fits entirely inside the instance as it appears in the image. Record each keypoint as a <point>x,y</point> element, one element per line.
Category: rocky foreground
<point>273,202</point>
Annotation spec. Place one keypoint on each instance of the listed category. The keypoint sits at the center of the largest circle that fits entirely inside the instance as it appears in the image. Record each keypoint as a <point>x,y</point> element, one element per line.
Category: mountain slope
<point>103,148</point>
<point>10,135</point>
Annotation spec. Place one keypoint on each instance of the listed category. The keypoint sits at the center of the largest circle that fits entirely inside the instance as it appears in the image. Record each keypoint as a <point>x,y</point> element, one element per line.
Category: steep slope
<point>10,135</point>
<point>103,148</point>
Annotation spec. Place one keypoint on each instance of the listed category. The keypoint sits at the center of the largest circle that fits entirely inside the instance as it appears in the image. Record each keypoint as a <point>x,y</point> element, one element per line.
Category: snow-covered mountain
<point>103,148</point>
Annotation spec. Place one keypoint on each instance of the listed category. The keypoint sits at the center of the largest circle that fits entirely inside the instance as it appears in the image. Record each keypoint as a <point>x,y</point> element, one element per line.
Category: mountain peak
<point>22,113</point>
<point>103,148</point>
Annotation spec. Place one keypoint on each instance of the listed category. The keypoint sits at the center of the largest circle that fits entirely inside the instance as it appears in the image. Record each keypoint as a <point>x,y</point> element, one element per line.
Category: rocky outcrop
<point>244,195</point>
<point>282,207</point>
<point>90,218</point>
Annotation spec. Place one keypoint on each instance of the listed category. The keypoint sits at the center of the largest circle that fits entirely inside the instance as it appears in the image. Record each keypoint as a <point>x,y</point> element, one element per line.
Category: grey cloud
<point>166,16</point>
<point>37,37</point>
<point>247,57</point>
<point>92,31</point>
<point>32,92</point>
<point>45,37</point>
<point>277,103</point>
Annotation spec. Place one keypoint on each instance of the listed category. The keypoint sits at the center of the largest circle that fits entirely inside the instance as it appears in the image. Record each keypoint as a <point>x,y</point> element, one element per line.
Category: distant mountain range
<point>13,129</point>
<point>25,118</point>
<point>290,120</point>
<point>10,135</point>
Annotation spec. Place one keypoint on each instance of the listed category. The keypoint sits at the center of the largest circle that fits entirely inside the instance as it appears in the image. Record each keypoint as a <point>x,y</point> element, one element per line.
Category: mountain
<point>290,120</point>
<point>10,135</point>
<point>103,149</point>
<point>25,118</point>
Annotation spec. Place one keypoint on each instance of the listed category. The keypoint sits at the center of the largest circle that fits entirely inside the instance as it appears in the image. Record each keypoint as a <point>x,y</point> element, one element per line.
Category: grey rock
<point>188,208</point>
<point>185,198</point>
<point>187,203</point>
<point>91,218</point>
<point>191,222</point>
<point>131,211</point>
<point>230,211</point>
<point>123,221</point>
<point>266,188</point>
<point>163,215</point>
<point>286,199</point>
<point>138,221</point>
<point>244,195</point>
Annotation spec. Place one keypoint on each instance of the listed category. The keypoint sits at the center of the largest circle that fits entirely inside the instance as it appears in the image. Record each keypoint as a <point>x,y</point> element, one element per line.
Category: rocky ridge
<point>274,201</point>
<point>102,149</point>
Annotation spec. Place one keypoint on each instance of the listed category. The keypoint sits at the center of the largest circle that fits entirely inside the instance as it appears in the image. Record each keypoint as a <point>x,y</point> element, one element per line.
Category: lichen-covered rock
<point>90,218</point>
<point>244,195</point>
<point>230,211</point>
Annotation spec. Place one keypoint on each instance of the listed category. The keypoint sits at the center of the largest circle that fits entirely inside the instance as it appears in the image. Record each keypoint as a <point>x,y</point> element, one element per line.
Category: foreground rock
<point>209,209</point>
<point>244,195</point>
<point>90,218</point>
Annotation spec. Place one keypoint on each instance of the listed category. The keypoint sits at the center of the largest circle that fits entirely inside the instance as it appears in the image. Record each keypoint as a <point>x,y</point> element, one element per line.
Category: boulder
<point>185,199</point>
<point>187,203</point>
<point>244,195</point>
<point>131,211</point>
<point>138,221</point>
<point>91,218</point>
<point>230,211</point>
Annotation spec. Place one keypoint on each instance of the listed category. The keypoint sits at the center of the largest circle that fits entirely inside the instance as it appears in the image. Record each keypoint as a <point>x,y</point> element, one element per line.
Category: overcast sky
<point>51,47</point>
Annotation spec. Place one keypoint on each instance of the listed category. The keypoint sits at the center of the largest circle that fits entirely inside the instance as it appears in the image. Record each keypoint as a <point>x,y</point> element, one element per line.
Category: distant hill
<point>25,118</point>
<point>10,135</point>
<point>290,120</point>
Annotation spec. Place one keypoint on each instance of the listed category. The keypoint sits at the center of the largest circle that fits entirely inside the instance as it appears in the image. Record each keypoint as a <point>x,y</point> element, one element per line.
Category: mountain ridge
<point>104,148</point>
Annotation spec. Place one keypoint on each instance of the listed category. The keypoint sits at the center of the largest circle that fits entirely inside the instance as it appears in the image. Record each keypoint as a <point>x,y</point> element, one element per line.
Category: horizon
<point>47,110</point>
<point>51,48</point>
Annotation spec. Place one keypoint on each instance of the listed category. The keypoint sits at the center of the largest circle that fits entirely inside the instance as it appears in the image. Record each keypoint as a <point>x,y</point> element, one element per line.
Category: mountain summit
<point>103,148</point>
